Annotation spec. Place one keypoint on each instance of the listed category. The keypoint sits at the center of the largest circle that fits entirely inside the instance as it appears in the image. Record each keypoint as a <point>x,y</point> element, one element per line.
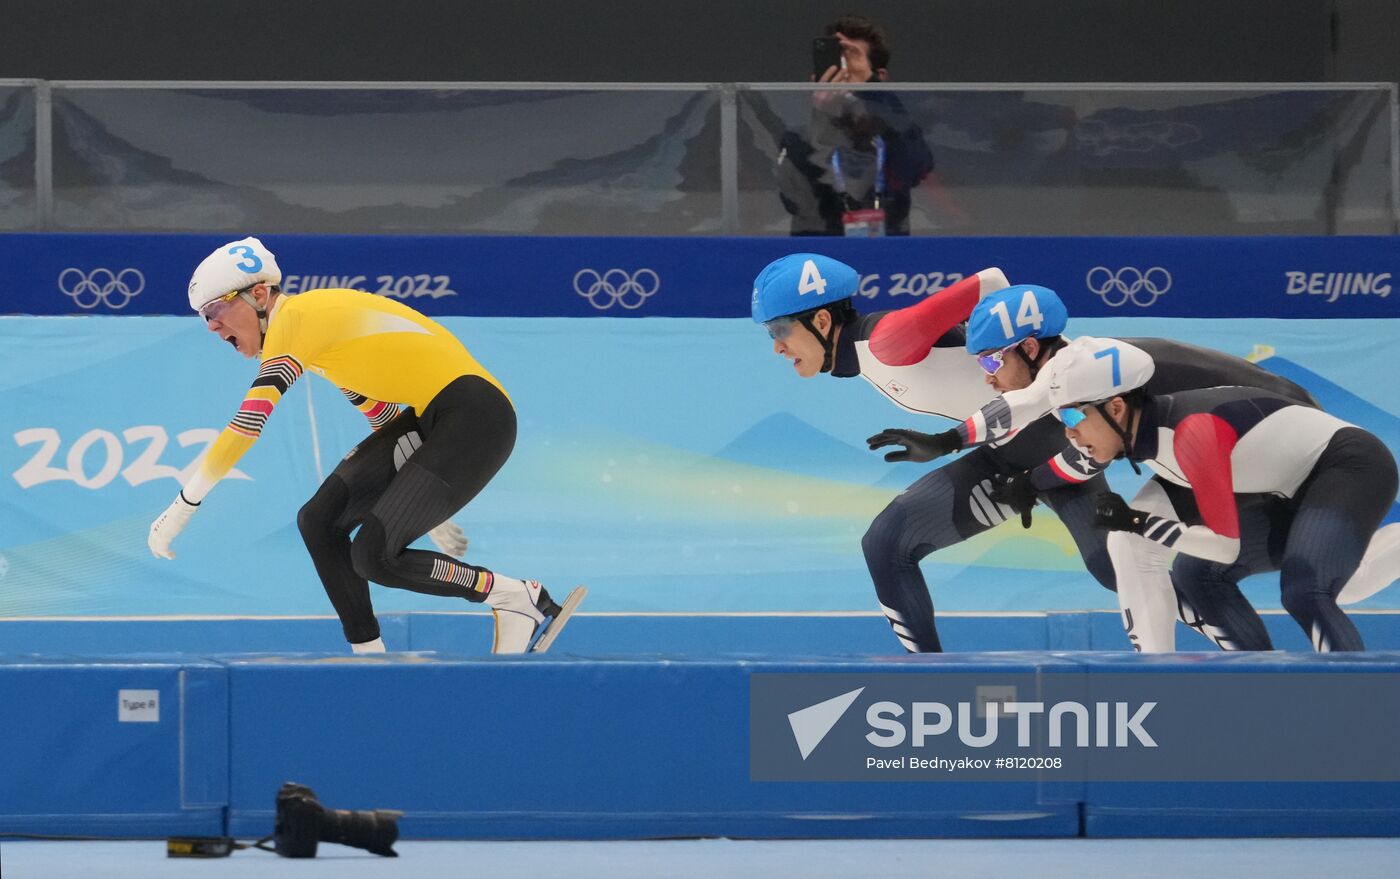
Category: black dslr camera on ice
<point>302,822</point>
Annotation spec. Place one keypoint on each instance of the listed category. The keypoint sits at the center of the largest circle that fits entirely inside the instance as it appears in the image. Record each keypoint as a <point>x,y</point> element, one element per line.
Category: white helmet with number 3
<point>1090,370</point>
<point>233,266</point>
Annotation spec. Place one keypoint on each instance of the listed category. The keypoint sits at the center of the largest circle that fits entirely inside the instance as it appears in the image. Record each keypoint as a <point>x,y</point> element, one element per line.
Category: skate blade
<point>558,621</point>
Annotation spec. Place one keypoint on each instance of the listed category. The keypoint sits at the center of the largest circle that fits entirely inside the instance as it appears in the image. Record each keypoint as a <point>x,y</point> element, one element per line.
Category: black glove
<point>1016,492</point>
<point>1113,513</point>
<point>919,447</point>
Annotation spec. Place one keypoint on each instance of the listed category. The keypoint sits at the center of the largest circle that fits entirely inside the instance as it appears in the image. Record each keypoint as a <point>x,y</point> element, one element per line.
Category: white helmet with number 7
<point>1090,370</point>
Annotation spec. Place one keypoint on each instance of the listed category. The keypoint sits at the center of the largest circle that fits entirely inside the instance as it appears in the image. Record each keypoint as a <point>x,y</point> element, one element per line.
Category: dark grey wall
<point>696,40</point>
<point>1367,41</point>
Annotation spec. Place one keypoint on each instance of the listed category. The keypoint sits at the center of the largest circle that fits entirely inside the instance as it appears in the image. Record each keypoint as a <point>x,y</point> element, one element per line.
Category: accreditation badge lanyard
<point>862,222</point>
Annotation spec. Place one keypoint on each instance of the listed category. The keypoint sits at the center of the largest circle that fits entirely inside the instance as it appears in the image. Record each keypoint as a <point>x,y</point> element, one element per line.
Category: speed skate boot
<point>525,613</point>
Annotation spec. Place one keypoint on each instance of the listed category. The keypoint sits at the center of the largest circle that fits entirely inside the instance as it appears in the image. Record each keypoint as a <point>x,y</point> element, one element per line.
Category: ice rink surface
<point>734,859</point>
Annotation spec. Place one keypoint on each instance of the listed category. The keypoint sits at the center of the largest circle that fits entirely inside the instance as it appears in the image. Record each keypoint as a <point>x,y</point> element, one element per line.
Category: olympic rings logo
<point>1102,138</point>
<point>616,287</point>
<point>101,286</point>
<point>1128,283</point>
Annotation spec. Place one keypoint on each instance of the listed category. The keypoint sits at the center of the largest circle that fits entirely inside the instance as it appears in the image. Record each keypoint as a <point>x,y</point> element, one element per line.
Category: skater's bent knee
<point>369,552</point>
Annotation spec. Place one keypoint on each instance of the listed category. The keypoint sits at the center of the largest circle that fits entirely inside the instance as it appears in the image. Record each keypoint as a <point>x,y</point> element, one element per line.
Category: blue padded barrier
<point>73,766</point>
<point>572,747</point>
<point>612,748</point>
<point>1234,809</point>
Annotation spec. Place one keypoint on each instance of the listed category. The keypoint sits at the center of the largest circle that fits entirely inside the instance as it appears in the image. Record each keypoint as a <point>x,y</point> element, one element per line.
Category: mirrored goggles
<point>1070,416</point>
<point>779,328</point>
<point>994,361</point>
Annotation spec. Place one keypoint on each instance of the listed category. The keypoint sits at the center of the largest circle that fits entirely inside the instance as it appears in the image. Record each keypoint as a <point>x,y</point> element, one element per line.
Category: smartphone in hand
<point>826,53</point>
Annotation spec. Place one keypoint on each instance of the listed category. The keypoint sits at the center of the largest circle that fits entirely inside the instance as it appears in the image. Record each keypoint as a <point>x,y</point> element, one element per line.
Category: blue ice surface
<point>708,858</point>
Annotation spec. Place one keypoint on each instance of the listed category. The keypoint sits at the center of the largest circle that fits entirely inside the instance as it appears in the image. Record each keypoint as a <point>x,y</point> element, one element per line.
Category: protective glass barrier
<point>18,201</point>
<point>1179,160</point>
<point>387,160</point>
<point>701,160</point>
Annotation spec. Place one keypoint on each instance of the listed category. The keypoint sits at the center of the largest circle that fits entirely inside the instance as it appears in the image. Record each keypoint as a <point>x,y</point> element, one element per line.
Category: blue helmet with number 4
<point>1008,316</point>
<point>801,282</point>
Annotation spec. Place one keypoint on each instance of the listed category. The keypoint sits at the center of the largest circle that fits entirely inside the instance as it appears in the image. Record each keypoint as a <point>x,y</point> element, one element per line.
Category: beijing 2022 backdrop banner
<point>671,462</point>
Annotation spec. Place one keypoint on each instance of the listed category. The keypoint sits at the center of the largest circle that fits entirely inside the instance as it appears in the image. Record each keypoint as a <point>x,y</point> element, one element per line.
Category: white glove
<point>169,524</point>
<point>450,539</point>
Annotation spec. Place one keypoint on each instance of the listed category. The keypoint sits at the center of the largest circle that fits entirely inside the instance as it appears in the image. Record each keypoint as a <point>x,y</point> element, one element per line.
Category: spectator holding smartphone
<point>853,171</point>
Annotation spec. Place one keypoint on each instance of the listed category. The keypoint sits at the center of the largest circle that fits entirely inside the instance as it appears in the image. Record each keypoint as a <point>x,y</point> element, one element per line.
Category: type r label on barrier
<point>138,706</point>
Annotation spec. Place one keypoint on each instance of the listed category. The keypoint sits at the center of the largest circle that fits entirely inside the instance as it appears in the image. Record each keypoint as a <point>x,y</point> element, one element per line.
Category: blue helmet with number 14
<point>1014,314</point>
